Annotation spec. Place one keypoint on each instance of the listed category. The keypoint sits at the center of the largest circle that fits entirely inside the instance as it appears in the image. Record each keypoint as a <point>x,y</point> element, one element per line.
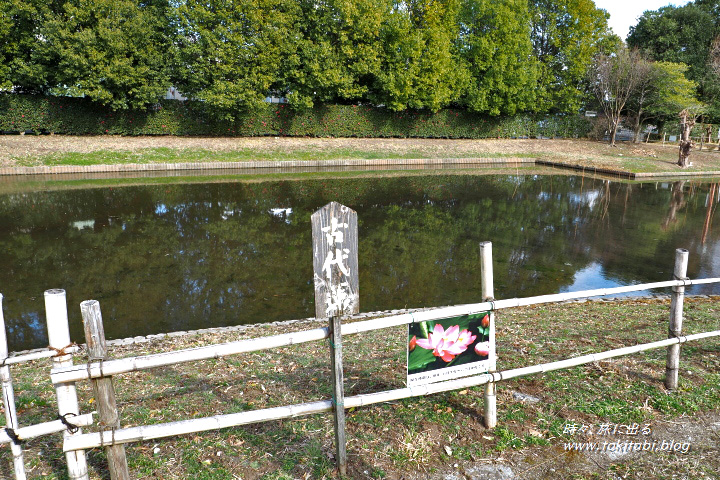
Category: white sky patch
<point>624,13</point>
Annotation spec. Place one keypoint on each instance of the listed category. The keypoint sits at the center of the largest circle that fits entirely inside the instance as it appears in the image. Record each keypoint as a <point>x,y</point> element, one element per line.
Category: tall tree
<point>613,79</point>
<point>111,51</point>
<point>229,53</point>
<point>5,28</point>
<point>662,91</point>
<point>338,51</point>
<point>418,67</point>
<point>494,42</point>
<point>683,35</point>
<point>22,22</point>
<point>566,35</point>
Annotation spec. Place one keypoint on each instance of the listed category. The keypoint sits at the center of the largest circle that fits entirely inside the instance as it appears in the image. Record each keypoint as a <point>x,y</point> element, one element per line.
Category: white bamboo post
<point>59,338</point>
<point>488,294</point>
<point>103,389</point>
<point>676,310</point>
<point>8,392</point>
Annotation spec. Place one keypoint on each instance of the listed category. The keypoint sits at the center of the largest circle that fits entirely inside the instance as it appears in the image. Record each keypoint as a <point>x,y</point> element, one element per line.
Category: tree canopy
<point>566,35</point>
<point>489,56</point>
<point>683,35</point>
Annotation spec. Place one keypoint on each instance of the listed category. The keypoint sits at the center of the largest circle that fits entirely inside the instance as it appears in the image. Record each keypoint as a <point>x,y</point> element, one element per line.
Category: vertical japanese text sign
<point>335,261</point>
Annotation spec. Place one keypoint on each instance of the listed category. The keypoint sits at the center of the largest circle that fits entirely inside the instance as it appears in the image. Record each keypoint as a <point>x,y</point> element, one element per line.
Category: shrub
<point>78,116</point>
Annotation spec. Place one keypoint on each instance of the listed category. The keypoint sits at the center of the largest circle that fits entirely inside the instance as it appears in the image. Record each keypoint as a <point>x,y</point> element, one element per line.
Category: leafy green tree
<point>683,35</point>
<point>494,42</point>
<point>676,34</point>
<point>229,54</point>
<point>662,92</point>
<point>337,51</point>
<point>418,67</point>
<point>566,36</point>
<point>111,51</point>
<point>21,23</point>
<point>5,28</point>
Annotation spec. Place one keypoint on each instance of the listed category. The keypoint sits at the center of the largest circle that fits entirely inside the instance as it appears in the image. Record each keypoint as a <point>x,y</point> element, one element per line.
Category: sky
<point>624,13</point>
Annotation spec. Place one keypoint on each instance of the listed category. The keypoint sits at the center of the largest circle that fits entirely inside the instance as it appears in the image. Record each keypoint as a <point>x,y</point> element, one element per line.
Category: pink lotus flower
<point>483,349</point>
<point>447,344</point>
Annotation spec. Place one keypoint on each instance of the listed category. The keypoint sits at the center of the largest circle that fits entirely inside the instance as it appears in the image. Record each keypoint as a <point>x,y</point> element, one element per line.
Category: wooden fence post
<point>59,338</point>
<point>8,393</point>
<point>338,399</point>
<point>335,266</point>
<point>103,387</point>
<point>676,311</point>
<point>488,294</point>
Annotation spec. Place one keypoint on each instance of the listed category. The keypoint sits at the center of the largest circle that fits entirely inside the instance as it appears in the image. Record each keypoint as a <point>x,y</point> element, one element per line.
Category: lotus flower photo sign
<point>448,348</point>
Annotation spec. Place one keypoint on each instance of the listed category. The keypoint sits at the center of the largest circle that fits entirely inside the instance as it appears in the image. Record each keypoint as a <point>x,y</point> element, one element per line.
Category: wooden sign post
<point>335,266</point>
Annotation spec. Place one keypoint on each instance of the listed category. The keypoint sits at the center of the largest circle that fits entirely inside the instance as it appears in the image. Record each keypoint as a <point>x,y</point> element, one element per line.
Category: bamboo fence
<point>151,432</point>
<point>80,372</point>
<point>119,436</point>
<point>100,371</point>
<point>13,433</point>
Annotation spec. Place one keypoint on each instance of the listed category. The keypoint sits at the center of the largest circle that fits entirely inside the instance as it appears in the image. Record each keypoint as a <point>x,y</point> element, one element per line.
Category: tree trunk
<point>613,132</point>
<point>686,142</point>
<point>637,128</point>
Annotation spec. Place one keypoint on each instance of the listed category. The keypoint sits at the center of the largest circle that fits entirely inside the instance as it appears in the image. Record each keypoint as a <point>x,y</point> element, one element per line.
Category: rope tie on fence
<point>14,436</point>
<point>683,279</point>
<point>95,361</point>
<point>112,438</point>
<point>71,427</point>
<point>60,352</point>
<point>334,402</point>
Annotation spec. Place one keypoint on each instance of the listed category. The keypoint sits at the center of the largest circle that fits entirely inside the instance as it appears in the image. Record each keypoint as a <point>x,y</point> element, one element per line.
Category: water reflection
<point>175,257</point>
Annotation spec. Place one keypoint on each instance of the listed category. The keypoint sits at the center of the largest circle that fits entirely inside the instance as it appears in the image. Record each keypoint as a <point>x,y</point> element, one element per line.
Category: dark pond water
<point>172,257</point>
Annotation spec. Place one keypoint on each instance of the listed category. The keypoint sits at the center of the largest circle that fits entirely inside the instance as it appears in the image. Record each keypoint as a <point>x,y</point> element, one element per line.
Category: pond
<point>180,255</point>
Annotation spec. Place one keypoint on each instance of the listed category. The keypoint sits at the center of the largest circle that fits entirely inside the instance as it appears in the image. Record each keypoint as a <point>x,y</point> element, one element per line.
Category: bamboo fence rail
<point>150,432</point>
<point>80,372</point>
<point>29,357</point>
<point>47,428</point>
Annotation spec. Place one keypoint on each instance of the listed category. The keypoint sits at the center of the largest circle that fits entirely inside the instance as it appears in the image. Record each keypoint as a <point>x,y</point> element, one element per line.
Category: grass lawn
<point>425,437</point>
<point>60,150</point>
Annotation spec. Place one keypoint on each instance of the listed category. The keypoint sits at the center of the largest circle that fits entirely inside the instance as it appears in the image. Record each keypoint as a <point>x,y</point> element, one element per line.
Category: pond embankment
<point>33,153</point>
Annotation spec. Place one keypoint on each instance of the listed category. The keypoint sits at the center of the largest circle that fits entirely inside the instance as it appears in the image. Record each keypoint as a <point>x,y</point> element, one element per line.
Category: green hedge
<point>77,116</point>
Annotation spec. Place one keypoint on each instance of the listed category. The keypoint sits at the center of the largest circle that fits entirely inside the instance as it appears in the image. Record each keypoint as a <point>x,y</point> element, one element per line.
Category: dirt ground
<point>653,157</point>
<point>700,432</point>
<point>31,145</point>
<point>14,147</point>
